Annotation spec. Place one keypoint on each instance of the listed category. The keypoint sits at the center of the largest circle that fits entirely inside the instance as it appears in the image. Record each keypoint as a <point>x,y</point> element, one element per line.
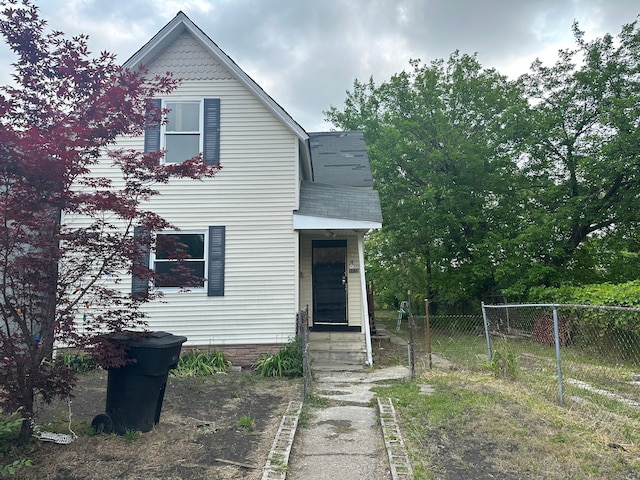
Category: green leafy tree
<point>496,185</point>
<point>436,138</point>
<point>582,164</point>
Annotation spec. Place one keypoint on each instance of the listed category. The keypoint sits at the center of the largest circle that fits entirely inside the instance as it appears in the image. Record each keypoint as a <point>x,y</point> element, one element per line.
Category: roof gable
<point>189,60</point>
<point>162,48</point>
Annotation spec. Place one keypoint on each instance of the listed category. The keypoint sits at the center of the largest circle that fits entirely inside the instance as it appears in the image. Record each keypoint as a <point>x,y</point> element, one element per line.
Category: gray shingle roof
<point>340,158</point>
<point>339,201</point>
<point>342,186</point>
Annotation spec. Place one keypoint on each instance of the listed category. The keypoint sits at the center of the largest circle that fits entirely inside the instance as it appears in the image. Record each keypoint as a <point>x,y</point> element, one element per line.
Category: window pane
<point>180,246</point>
<point>183,117</point>
<point>179,274</point>
<point>181,147</point>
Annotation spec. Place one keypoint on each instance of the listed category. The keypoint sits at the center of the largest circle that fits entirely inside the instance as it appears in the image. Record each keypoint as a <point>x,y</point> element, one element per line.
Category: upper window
<point>193,126</point>
<point>182,131</point>
<point>180,260</point>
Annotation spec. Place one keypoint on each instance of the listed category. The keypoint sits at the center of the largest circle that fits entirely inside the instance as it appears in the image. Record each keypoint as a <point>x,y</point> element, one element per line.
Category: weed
<point>131,435</point>
<point>276,459</point>
<point>246,422</point>
<point>317,401</point>
<point>504,364</point>
<point>277,463</point>
<point>9,431</point>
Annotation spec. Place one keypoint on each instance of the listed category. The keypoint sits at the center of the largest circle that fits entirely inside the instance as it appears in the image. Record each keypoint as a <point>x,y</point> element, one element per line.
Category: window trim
<point>205,259</point>
<point>201,121</point>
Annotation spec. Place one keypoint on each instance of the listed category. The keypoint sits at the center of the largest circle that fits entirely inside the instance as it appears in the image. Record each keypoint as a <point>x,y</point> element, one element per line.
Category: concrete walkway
<point>344,441</point>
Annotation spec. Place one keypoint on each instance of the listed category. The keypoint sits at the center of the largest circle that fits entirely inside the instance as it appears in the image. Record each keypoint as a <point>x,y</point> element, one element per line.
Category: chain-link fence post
<point>410,343</point>
<point>303,331</point>
<point>427,327</point>
<point>556,333</point>
<point>486,332</point>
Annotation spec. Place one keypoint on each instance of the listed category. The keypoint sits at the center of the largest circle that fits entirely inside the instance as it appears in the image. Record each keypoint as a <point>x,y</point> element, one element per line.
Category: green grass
<point>313,401</point>
<point>519,359</point>
<point>475,418</point>
<point>131,436</point>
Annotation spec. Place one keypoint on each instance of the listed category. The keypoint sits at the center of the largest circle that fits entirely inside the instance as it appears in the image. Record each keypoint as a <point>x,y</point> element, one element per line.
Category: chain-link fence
<point>566,353</point>
<point>440,341</point>
<point>575,352</point>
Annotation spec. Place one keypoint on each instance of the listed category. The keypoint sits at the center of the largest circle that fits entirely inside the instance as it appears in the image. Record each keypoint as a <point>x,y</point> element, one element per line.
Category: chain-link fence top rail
<point>594,351</point>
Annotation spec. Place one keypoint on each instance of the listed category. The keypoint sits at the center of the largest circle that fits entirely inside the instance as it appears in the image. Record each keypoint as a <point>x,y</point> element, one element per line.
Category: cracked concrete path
<point>344,441</point>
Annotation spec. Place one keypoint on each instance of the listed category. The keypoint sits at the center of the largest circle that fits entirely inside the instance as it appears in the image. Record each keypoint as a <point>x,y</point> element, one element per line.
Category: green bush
<point>197,364</point>
<point>609,334</point>
<point>617,295</point>
<point>286,362</point>
<point>79,362</point>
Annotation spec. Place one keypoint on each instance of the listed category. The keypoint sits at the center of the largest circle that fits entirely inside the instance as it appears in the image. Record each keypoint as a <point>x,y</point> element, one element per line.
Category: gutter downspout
<point>363,285</point>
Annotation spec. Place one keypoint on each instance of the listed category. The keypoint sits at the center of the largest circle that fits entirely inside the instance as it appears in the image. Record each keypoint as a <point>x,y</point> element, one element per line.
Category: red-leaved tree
<point>66,233</point>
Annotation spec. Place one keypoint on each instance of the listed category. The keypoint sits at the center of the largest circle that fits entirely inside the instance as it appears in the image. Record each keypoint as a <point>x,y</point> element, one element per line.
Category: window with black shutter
<point>192,126</point>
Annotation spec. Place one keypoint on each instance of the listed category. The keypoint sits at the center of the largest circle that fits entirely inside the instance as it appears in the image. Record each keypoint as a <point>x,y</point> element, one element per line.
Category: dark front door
<point>329,282</point>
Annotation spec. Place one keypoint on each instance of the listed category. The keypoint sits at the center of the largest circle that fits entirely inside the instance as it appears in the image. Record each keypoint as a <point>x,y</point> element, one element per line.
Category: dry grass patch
<point>476,425</point>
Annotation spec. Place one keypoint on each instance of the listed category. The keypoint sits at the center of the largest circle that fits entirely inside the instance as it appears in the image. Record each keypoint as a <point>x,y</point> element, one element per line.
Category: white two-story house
<point>281,226</point>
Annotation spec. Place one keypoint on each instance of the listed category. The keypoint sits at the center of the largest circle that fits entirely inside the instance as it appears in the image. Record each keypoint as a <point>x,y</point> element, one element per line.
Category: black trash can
<point>135,391</point>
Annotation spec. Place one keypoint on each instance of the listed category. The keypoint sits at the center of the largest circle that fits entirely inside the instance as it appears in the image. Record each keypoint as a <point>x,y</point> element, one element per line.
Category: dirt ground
<point>200,437</point>
<point>218,427</point>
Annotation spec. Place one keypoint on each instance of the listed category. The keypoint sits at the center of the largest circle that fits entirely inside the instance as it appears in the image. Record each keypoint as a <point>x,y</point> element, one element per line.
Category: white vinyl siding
<point>253,197</point>
<point>354,292</point>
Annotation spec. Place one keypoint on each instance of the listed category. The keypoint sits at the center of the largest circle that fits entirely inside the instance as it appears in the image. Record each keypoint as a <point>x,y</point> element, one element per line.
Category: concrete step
<point>339,354</point>
<point>337,346</point>
<point>328,366</point>
<point>336,341</point>
<point>335,336</point>
<point>323,358</point>
<point>331,350</point>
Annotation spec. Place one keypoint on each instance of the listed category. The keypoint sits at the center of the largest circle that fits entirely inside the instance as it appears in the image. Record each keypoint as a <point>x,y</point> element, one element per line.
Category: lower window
<point>180,260</point>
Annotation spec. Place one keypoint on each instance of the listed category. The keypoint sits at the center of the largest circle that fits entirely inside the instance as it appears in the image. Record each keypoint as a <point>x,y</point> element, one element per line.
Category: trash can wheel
<point>102,423</point>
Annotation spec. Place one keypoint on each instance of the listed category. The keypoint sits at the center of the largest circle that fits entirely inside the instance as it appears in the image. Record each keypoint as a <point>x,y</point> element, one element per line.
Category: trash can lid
<point>150,340</point>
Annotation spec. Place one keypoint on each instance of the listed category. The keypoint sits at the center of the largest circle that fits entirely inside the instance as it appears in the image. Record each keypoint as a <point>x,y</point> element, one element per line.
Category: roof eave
<point>309,222</point>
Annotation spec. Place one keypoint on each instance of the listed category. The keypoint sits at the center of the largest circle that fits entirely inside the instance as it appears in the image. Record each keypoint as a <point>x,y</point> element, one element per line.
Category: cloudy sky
<point>307,53</point>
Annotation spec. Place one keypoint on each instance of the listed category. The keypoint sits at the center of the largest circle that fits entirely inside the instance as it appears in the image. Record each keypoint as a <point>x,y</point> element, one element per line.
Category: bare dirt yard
<point>468,425</point>
<point>218,427</point>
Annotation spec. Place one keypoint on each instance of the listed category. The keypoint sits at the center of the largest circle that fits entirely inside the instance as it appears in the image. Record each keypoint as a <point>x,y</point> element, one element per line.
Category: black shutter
<point>216,262</point>
<point>211,140</point>
<point>140,284</point>
<point>152,126</point>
